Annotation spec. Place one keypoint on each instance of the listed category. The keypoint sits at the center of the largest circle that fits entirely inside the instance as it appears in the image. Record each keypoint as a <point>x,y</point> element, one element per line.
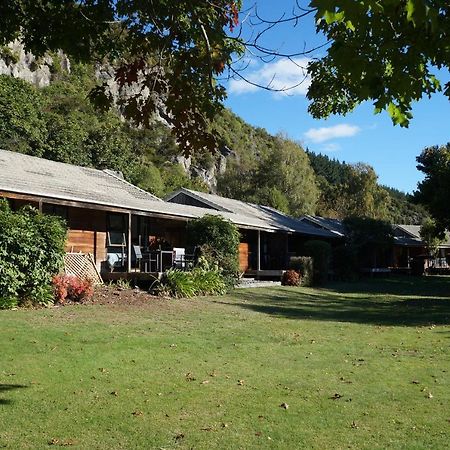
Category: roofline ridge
<point>196,195</point>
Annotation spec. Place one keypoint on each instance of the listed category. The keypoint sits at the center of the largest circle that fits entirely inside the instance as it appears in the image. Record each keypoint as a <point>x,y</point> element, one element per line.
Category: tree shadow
<point>398,285</point>
<point>389,304</point>
<point>8,387</point>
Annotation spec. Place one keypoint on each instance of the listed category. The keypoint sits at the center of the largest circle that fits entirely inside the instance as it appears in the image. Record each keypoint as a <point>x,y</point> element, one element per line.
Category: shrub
<point>218,241</point>
<point>320,251</point>
<point>31,253</point>
<point>199,281</point>
<point>290,278</point>
<point>70,287</point>
<point>8,302</point>
<point>303,265</point>
<point>209,282</point>
<point>371,240</point>
<point>345,262</point>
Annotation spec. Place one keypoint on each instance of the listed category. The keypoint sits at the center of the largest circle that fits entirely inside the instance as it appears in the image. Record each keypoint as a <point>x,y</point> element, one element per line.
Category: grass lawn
<point>365,365</point>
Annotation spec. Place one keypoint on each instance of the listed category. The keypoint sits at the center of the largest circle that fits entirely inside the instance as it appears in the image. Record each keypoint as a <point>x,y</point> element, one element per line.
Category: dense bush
<point>304,265</point>
<point>218,242</point>
<point>31,252</point>
<point>370,239</point>
<point>290,278</point>
<point>320,251</point>
<point>8,302</point>
<point>70,287</point>
<point>199,281</point>
<point>345,263</point>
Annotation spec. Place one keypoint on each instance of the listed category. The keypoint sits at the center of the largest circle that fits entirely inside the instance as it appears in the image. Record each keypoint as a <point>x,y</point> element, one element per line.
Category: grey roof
<point>29,175</point>
<point>410,235</point>
<point>333,225</point>
<point>32,175</point>
<point>270,216</point>
<point>407,235</point>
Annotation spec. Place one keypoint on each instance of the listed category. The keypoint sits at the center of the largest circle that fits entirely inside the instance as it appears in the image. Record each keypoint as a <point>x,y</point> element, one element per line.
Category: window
<point>116,230</point>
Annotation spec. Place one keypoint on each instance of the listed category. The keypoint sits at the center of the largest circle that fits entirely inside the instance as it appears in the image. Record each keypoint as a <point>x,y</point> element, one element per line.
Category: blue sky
<point>359,136</point>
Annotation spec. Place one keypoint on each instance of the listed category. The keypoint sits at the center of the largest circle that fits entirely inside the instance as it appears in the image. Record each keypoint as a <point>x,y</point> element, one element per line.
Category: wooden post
<point>129,244</point>
<point>286,255</point>
<point>258,253</point>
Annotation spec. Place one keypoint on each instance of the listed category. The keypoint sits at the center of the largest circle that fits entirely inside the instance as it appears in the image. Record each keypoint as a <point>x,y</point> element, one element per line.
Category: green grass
<point>168,374</point>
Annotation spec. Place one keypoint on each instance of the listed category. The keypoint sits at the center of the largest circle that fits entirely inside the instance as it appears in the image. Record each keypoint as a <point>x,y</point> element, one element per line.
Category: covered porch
<point>264,254</point>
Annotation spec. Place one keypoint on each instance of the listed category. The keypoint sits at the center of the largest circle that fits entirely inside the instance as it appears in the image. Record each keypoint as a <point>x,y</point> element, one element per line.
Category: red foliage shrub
<point>70,287</point>
<point>291,278</point>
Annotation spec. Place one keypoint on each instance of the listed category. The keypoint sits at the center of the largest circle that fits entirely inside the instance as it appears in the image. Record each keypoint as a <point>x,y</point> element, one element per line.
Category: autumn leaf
<point>336,396</point>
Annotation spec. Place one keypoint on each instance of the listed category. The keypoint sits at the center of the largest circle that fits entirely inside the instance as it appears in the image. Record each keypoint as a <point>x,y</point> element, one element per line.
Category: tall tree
<point>432,236</point>
<point>434,190</point>
<point>165,55</point>
<point>384,51</point>
<point>288,170</point>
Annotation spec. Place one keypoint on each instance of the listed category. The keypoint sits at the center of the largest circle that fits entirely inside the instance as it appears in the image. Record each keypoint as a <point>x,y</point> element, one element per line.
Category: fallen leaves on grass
<point>336,396</point>
<point>179,436</point>
<point>190,376</point>
<point>64,443</point>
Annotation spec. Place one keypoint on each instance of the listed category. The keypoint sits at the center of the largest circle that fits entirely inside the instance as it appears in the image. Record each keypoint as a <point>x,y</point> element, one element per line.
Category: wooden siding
<point>87,233</point>
<point>243,256</point>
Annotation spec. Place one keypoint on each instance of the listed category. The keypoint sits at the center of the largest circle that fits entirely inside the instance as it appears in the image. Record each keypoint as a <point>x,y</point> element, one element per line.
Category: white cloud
<point>330,147</point>
<point>289,77</point>
<point>323,134</point>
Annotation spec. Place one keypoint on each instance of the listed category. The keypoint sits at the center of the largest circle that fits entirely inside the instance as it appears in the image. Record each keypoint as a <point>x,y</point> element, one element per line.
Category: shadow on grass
<point>397,302</point>
<point>8,387</point>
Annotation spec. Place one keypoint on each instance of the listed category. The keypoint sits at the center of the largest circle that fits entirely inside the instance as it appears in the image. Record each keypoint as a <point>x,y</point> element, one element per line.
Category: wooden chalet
<point>131,233</point>
<point>264,250</point>
<point>406,247</point>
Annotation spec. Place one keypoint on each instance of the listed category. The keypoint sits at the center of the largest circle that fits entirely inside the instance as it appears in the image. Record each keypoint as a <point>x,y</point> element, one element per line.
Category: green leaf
<point>410,7</point>
<point>331,16</point>
<point>350,25</point>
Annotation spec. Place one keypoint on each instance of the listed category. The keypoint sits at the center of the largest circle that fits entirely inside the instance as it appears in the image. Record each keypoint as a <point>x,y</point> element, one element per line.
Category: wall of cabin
<point>87,233</point>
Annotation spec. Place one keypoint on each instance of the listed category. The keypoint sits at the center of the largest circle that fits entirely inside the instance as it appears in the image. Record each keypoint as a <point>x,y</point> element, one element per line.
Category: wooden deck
<point>265,273</point>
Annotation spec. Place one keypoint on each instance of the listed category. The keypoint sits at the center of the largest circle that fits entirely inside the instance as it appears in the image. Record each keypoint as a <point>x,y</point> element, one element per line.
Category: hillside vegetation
<point>58,122</point>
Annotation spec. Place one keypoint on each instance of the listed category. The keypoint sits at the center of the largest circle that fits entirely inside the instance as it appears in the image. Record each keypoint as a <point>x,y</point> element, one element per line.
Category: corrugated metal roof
<point>272,217</point>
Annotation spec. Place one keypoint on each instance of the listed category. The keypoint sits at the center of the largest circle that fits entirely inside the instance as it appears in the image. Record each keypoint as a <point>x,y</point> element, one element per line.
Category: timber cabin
<point>262,251</point>
<point>130,233</point>
<point>407,246</point>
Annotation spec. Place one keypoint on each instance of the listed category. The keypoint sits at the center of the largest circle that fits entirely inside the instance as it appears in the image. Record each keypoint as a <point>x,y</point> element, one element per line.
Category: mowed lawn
<point>363,365</point>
